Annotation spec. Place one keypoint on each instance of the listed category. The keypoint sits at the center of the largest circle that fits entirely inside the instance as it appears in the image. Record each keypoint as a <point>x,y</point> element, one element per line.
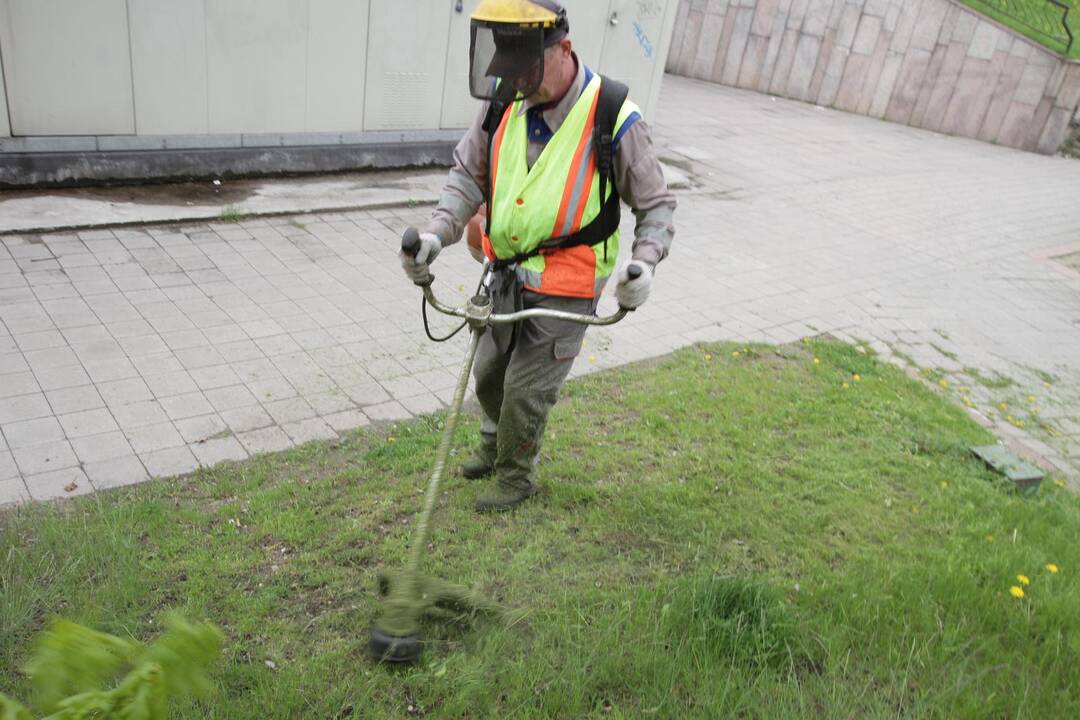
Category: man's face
<point>556,58</point>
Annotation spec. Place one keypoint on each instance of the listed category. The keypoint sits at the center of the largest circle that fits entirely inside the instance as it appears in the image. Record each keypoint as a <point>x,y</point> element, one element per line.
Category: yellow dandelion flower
<point>735,354</point>
<point>944,484</point>
<point>1060,483</point>
<point>1016,592</point>
<point>1031,399</point>
<point>943,383</point>
<point>1052,568</point>
<point>806,340</point>
<point>989,538</point>
<point>1019,423</point>
<point>856,377</point>
<point>708,356</point>
<point>391,439</point>
<point>1004,407</point>
<point>592,358</point>
<point>844,385</point>
<point>817,361</point>
<point>1023,579</point>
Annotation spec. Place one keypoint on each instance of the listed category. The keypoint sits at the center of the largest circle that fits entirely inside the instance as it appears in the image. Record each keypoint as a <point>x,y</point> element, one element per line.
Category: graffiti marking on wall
<point>643,39</point>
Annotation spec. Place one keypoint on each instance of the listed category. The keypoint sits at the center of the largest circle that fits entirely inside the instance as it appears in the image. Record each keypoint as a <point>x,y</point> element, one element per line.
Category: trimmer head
<point>392,649</point>
<point>395,635</point>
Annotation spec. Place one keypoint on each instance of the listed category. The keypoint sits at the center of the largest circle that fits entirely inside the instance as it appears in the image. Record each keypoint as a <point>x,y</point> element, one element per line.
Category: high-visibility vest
<point>557,196</point>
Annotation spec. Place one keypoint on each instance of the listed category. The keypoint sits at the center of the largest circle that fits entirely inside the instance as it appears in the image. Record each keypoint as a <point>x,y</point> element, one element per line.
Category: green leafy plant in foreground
<point>71,664</point>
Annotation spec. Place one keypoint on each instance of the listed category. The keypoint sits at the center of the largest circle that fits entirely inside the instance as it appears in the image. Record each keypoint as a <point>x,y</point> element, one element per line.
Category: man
<point>536,166</point>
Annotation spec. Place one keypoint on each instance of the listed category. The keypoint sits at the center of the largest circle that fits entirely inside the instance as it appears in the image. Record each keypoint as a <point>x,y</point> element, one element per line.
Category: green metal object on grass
<point>1022,474</point>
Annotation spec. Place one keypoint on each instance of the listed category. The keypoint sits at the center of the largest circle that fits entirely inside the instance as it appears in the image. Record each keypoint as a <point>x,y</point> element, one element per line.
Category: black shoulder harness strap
<point>612,96</point>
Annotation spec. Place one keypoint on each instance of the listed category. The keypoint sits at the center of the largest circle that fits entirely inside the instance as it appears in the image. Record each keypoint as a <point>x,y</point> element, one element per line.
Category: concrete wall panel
<point>784,62</point>
<point>890,71</point>
<point>712,29</point>
<point>1003,95</point>
<point>744,17</point>
<point>831,64</point>
<point>798,83</point>
<point>873,74</point>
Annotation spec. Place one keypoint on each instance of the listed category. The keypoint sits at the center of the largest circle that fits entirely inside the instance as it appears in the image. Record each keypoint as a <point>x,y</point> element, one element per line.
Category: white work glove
<point>632,293</point>
<point>417,266</point>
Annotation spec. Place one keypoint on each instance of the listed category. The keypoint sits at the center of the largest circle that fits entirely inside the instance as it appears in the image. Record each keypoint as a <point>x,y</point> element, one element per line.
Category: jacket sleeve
<point>640,181</point>
<point>463,192</point>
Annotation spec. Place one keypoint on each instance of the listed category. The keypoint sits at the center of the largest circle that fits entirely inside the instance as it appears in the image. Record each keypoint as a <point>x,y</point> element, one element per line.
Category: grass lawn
<point>1036,19</point>
<point>727,532</point>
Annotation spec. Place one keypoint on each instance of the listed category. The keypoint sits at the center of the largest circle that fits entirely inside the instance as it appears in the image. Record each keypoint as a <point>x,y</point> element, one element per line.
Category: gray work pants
<point>518,372</point>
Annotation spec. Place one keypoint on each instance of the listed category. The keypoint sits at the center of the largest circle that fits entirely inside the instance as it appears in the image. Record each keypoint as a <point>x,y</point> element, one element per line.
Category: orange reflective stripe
<point>496,144</point>
<point>575,168</point>
<point>489,251</point>
<point>590,171</point>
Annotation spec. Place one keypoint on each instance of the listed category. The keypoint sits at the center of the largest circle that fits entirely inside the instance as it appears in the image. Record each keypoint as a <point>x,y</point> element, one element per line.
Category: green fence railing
<point>1052,23</point>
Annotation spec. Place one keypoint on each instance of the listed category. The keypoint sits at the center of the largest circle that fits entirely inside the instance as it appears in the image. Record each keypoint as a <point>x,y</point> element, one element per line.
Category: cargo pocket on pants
<point>568,348</point>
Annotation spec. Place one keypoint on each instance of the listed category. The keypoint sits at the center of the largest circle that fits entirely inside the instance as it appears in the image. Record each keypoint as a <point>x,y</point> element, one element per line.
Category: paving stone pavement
<point>148,351</point>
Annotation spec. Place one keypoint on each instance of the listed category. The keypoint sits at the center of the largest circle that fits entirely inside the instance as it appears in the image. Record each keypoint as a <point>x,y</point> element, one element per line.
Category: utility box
<point>213,77</point>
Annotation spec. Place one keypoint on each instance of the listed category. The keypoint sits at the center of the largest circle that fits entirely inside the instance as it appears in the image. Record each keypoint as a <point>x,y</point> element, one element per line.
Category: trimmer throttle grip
<point>410,242</point>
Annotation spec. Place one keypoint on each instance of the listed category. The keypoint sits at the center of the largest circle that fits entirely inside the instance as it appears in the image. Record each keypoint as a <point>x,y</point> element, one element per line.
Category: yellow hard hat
<point>518,12</point>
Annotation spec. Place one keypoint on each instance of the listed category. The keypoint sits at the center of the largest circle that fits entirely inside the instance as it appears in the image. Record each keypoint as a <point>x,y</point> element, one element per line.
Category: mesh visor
<point>505,61</point>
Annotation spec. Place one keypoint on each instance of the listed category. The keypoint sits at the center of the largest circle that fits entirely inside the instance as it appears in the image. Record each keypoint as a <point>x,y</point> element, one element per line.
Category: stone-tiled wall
<point>934,64</point>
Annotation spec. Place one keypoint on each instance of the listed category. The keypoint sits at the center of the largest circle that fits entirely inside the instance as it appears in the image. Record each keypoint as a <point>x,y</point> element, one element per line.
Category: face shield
<point>505,61</point>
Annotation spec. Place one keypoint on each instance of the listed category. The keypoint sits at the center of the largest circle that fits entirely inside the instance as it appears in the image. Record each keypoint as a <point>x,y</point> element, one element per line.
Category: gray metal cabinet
<point>336,63</point>
<point>5,126</point>
<point>406,66</point>
<point>168,64</point>
<point>458,107</point>
<point>244,67</point>
<point>256,58</point>
<point>588,29</point>
<point>636,44</point>
<point>67,67</point>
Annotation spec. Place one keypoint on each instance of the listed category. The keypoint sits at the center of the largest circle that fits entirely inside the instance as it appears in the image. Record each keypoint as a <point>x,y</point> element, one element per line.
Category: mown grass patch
<point>729,531</point>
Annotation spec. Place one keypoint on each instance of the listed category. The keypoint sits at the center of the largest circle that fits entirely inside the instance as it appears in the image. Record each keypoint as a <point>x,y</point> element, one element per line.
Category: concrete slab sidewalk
<point>59,209</point>
<point>148,350</point>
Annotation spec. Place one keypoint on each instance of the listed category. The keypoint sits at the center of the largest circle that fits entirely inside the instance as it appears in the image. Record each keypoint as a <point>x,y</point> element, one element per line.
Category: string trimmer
<point>395,635</point>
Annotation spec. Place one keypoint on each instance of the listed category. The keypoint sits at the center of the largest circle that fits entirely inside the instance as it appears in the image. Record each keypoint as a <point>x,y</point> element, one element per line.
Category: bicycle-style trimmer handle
<point>410,245</point>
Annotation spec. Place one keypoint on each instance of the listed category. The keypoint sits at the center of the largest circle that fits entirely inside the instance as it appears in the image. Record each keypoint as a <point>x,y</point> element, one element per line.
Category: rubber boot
<point>481,463</point>
<point>500,496</point>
